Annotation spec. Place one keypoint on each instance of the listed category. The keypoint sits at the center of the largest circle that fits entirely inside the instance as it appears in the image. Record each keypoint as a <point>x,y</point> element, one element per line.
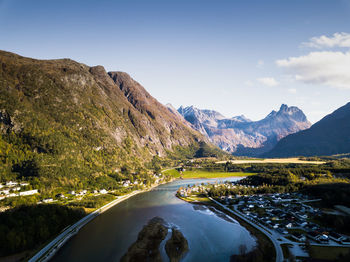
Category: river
<point>106,238</point>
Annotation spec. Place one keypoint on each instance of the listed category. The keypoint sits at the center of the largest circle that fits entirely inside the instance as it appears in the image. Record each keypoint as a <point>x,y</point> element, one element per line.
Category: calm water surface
<point>108,237</point>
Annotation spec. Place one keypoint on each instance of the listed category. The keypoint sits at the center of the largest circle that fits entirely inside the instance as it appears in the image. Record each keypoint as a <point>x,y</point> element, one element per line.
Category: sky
<point>236,57</point>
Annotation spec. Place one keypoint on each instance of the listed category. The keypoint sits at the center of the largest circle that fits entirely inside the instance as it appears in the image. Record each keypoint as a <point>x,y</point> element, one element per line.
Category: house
<point>103,191</point>
<point>60,196</point>
<point>48,200</point>
<point>346,241</point>
<point>126,183</point>
<point>24,184</point>
<point>71,192</point>
<point>303,224</point>
<point>11,184</point>
<point>299,237</point>
<point>336,237</point>
<point>5,192</point>
<point>323,238</point>
<point>29,192</point>
<point>289,225</point>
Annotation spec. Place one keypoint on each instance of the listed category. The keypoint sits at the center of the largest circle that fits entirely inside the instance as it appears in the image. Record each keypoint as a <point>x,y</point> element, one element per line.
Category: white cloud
<point>292,90</point>
<point>326,68</point>
<point>337,40</point>
<point>268,81</point>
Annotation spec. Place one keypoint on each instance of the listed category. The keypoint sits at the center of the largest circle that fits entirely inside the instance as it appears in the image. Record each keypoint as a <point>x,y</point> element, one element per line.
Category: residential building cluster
<point>288,214</point>
<point>14,189</point>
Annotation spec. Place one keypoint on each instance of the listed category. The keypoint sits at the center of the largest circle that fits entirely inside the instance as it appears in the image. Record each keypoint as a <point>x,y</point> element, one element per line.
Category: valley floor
<point>273,161</point>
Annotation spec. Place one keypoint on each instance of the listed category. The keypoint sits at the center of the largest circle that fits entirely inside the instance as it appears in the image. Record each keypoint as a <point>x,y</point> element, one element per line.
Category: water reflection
<point>212,236</point>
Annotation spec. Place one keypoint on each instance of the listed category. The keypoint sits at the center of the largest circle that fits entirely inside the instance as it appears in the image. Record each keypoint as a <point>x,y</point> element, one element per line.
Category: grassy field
<point>199,198</point>
<point>328,253</point>
<point>204,174</point>
<point>207,174</point>
<point>293,160</point>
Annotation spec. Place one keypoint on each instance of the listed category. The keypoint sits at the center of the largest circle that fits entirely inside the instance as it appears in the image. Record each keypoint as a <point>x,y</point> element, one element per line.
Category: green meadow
<point>205,174</point>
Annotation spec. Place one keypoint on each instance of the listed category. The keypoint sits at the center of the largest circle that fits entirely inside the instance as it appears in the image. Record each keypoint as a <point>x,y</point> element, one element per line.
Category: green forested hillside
<point>64,124</point>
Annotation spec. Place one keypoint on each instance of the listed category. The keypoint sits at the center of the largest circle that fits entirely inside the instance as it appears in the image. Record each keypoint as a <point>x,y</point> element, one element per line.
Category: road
<point>271,236</point>
<point>50,249</point>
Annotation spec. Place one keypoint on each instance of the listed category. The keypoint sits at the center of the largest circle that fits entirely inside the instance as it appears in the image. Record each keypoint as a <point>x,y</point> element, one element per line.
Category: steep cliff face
<point>242,136</point>
<point>68,114</point>
<point>328,136</point>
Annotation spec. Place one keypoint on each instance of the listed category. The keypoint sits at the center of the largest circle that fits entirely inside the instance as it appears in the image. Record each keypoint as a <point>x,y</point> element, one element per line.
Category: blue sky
<point>237,57</point>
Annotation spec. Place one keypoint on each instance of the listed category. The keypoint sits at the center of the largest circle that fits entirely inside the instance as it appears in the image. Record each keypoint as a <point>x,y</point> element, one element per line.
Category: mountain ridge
<point>328,136</point>
<point>59,115</point>
<point>242,136</point>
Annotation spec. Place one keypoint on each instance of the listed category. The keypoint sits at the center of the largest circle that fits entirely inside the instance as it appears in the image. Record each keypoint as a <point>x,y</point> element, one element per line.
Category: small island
<point>177,246</point>
<point>146,247</point>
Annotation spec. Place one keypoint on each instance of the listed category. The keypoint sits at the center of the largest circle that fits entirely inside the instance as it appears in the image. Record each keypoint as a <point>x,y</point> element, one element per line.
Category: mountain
<point>240,135</point>
<point>68,121</point>
<point>329,136</point>
<point>201,120</point>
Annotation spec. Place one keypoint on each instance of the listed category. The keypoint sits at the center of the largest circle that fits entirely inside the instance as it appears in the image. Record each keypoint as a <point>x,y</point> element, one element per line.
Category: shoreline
<point>50,249</point>
<point>260,236</point>
<point>47,252</point>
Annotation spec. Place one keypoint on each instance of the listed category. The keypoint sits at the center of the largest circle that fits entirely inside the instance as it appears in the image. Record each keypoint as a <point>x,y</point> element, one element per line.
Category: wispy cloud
<point>325,68</point>
<point>268,81</point>
<point>337,40</point>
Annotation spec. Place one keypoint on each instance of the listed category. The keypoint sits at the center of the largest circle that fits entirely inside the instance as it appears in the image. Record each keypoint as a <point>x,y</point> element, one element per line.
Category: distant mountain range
<point>241,136</point>
<point>329,136</point>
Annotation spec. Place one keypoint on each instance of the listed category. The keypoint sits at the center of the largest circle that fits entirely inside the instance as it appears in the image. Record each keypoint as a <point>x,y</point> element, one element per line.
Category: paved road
<point>50,249</point>
<point>271,236</point>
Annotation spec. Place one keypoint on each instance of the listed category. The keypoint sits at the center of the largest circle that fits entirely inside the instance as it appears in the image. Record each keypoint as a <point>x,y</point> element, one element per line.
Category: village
<point>289,216</point>
<point>11,189</point>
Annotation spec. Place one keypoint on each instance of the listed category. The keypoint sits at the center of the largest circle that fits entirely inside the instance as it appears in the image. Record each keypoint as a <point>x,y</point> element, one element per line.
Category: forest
<point>29,226</point>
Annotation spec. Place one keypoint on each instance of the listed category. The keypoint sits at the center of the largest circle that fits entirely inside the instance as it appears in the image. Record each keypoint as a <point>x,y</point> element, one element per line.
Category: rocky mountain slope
<point>242,136</point>
<point>63,118</point>
<point>329,136</point>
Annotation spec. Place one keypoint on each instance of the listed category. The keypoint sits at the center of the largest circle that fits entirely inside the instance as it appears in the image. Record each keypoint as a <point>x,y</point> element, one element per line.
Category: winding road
<point>271,236</point>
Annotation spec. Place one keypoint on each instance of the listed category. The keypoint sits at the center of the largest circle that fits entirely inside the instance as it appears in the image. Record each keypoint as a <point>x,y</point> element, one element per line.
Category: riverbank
<point>264,249</point>
<point>46,253</point>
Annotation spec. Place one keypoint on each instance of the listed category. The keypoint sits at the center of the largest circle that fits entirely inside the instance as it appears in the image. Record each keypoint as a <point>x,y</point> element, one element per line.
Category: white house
<point>103,191</point>
<point>289,225</point>
<point>5,192</point>
<point>29,192</point>
<point>48,200</point>
<point>11,183</point>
